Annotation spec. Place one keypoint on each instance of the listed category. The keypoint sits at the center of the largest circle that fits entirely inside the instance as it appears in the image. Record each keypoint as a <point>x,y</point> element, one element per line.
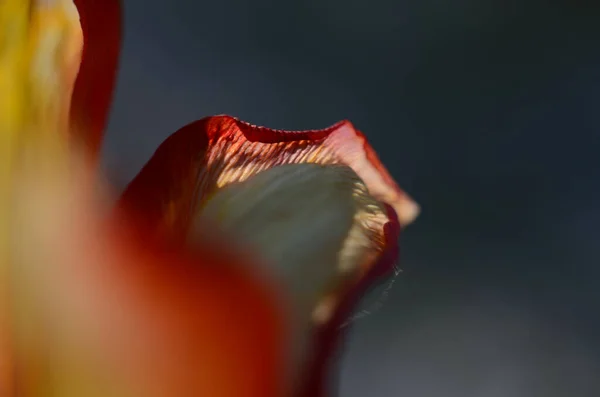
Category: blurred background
<point>486,111</point>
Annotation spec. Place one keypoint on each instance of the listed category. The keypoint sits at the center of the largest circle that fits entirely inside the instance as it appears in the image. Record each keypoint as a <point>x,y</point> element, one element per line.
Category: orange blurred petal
<point>129,313</point>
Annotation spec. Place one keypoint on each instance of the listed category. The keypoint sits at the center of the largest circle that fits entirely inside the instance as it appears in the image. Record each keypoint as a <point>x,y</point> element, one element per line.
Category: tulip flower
<point>229,262</point>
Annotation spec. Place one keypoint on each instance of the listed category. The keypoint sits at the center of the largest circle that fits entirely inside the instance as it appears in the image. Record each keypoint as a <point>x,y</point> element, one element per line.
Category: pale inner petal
<point>317,229</point>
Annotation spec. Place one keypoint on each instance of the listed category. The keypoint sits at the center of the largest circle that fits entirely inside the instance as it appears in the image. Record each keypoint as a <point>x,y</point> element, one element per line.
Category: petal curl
<point>208,154</point>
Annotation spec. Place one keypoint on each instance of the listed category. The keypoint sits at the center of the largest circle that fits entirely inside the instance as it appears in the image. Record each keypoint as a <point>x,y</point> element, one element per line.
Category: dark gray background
<point>486,111</point>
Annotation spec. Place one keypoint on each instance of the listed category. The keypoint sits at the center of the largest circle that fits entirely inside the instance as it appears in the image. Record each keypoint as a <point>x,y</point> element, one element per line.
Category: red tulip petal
<point>203,157</point>
<point>215,151</point>
<point>93,91</point>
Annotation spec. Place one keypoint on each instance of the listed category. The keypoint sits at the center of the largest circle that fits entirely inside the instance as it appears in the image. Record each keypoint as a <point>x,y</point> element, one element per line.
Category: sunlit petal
<point>206,155</point>
<point>328,247</point>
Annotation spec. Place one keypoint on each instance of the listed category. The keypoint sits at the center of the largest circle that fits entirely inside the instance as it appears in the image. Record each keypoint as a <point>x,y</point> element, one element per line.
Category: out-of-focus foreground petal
<point>39,53</point>
<point>89,305</point>
<point>106,310</point>
<point>213,152</point>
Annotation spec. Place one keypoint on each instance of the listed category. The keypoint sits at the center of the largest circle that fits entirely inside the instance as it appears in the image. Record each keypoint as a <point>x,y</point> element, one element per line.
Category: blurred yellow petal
<point>39,60</point>
<point>40,44</point>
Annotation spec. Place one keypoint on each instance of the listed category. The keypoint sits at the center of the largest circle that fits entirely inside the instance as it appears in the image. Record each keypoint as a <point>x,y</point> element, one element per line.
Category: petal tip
<point>407,210</point>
